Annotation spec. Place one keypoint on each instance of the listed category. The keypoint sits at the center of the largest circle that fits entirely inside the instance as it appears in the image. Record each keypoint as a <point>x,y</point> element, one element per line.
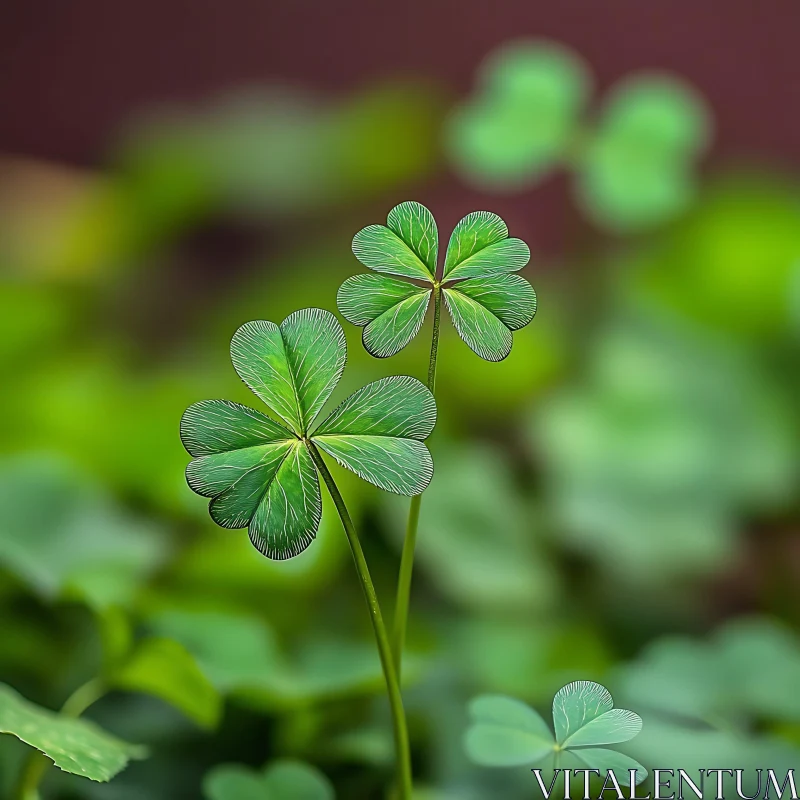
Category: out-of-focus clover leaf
<point>74,745</point>
<point>637,170</point>
<point>634,166</point>
<point>486,300</point>
<point>242,658</point>
<point>747,671</point>
<point>669,440</point>
<point>707,701</point>
<point>524,116</point>
<point>281,780</point>
<point>62,533</point>
<point>165,669</point>
<point>473,493</point>
<point>262,475</point>
<point>233,650</point>
<point>507,733</point>
<point>664,741</point>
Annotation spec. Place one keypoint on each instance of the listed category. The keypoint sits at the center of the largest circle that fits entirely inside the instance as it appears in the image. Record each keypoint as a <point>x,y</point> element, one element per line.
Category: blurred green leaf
<point>281,780</point>
<point>523,117</point>
<point>637,170</point>
<point>634,166</point>
<point>669,439</point>
<point>746,671</point>
<point>473,493</point>
<point>62,533</point>
<point>240,655</point>
<point>74,745</point>
<point>165,669</point>
<point>506,732</point>
<point>233,650</point>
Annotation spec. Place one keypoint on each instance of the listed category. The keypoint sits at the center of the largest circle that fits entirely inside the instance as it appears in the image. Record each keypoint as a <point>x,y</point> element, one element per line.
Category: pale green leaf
<point>480,329</point>
<point>74,745</point>
<point>294,780</point>
<point>390,311</point>
<point>165,669</point>
<point>232,650</point>
<point>604,760</point>
<point>506,733</point>
<point>378,431</point>
<point>523,119</point>
<point>637,171</point>
<point>234,782</point>
<point>656,114</point>
<point>408,246</point>
<point>584,714</point>
<point>283,780</point>
<point>576,704</point>
<point>474,492</point>
<point>62,533</point>
<point>293,367</point>
<point>509,297</point>
<point>613,727</point>
<point>479,246</point>
<point>286,520</point>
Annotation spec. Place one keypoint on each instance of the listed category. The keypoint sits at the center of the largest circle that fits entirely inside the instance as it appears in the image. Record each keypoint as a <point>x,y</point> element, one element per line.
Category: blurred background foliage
<point>617,501</point>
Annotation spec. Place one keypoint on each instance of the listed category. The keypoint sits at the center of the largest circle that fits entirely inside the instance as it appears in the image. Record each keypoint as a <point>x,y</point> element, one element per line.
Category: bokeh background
<point>617,501</point>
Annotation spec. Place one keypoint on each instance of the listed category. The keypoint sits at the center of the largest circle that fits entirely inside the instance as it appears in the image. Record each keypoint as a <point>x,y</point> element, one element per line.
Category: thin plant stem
<point>400,622</point>
<point>404,780</point>
<point>37,763</point>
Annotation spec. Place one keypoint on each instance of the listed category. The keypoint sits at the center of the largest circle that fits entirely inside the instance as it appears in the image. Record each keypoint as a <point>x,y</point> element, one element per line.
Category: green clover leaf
<point>523,117</point>
<point>260,474</point>
<point>637,170</point>
<point>486,300</point>
<point>633,164</point>
<point>508,733</point>
<point>282,780</point>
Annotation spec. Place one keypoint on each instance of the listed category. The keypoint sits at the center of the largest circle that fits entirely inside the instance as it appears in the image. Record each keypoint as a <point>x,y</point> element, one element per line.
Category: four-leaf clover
<point>486,300</point>
<point>633,164</point>
<point>508,733</point>
<point>261,474</point>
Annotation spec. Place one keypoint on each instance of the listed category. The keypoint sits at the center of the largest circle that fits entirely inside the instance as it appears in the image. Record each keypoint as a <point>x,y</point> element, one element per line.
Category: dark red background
<point>71,71</point>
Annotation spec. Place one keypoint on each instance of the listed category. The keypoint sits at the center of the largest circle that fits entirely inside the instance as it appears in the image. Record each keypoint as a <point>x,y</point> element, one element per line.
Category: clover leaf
<point>74,745</point>
<point>637,169</point>
<point>282,780</point>
<point>523,116</point>
<point>507,733</point>
<point>261,474</point>
<point>486,300</point>
<point>633,164</point>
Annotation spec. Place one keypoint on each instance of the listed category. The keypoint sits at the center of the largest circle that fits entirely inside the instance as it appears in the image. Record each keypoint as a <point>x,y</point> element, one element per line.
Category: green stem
<point>400,623</point>
<point>381,637</point>
<point>37,763</point>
